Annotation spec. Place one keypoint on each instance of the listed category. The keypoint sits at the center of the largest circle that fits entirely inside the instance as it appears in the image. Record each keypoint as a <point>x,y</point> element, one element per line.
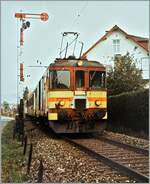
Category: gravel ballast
<point>143,143</point>
<point>64,163</point>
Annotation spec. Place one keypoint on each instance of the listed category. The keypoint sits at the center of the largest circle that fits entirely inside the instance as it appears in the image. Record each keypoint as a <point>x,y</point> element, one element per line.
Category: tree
<point>25,94</point>
<point>6,106</point>
<point>125,76</point>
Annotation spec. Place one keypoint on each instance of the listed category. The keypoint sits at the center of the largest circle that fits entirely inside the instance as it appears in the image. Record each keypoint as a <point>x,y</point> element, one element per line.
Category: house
<point>117,42</point>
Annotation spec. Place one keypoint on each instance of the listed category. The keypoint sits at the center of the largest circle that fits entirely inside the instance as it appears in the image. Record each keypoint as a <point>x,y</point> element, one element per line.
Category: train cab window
<point>79,79</point>
<point>97,79</point>
<point>59,79</point>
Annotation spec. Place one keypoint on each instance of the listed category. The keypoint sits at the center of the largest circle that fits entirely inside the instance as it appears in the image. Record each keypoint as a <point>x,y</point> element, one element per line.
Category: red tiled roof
<point>142,42</point>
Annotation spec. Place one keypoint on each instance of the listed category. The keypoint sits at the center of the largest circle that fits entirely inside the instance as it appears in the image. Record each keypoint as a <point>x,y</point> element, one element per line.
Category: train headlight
<point>97,102</point>
<point>61,103</point>
<point>80,63</point>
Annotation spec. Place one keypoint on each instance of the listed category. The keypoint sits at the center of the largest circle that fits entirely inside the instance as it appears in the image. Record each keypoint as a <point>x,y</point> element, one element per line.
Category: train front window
<point>97,79</point>
<point>79,79</point>
<point>59,79</point>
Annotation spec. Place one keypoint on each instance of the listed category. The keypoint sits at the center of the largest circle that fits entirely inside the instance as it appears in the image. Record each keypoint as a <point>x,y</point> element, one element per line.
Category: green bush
<point>129,110</point>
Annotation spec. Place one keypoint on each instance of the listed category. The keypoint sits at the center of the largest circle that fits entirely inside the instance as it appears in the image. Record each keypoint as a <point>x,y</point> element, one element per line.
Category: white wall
<point>104,52</point>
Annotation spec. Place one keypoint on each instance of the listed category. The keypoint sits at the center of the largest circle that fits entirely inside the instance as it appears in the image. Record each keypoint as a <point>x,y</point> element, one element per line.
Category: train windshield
<point>59,79</point>
<point>79,79</point>
<point>97,79</point>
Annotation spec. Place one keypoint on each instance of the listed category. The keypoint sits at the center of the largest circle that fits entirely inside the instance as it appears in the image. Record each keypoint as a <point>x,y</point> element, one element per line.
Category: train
<point>71,96</point>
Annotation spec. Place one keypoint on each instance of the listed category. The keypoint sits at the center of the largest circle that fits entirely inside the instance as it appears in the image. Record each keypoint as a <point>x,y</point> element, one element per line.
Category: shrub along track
<point>127,159</point>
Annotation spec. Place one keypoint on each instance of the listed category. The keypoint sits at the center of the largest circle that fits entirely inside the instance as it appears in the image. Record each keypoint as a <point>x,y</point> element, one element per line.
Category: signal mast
<point>24,25</point>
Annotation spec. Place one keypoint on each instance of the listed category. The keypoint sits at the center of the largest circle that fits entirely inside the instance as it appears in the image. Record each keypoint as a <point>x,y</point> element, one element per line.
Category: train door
<point>80,99</point>
<point>79,79</point>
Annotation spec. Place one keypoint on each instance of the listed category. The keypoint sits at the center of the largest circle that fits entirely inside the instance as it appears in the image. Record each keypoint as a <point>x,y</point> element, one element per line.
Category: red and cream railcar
<point>71,96</point>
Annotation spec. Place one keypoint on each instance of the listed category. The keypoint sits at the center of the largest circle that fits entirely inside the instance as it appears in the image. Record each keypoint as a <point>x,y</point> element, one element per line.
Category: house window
<point>116,46</point>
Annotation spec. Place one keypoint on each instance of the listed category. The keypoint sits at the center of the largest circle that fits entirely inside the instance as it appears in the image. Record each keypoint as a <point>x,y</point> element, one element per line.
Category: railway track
<point>131,162</point>
<point>127,159</point>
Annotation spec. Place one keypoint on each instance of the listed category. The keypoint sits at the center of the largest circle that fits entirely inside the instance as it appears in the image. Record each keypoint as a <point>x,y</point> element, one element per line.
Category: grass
<point>14,163</point>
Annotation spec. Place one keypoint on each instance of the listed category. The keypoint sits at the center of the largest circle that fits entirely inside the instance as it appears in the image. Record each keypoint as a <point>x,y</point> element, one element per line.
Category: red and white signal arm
<point>21,72</point>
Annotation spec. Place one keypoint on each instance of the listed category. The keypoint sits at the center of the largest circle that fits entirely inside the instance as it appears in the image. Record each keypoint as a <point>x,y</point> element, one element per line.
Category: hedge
<point>130,110</point>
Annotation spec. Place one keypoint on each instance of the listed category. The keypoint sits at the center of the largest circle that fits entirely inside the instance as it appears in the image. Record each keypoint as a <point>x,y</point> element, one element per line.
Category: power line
<point>79,14</point>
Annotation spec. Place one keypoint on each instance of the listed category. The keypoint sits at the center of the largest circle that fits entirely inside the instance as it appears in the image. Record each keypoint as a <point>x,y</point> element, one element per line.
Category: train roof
<point>73,62</point>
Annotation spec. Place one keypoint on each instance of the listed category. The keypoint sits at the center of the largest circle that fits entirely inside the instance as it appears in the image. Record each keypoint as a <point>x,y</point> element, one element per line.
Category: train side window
<point>79,79</point>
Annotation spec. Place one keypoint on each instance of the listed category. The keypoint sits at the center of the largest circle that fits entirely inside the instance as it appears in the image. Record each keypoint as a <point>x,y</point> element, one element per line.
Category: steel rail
<point>123,145</point>
<point>116,165</point>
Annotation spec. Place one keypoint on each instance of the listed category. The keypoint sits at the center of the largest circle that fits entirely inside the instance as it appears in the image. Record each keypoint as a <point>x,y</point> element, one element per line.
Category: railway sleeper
<point>131,161</point>
<point>137,158</point>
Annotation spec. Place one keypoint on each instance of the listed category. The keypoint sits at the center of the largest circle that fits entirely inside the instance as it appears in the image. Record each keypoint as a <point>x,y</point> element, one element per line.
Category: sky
<point>42,39</point>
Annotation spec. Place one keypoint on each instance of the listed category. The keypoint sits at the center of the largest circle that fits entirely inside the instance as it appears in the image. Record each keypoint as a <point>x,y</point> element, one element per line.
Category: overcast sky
<point>42,40</point>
